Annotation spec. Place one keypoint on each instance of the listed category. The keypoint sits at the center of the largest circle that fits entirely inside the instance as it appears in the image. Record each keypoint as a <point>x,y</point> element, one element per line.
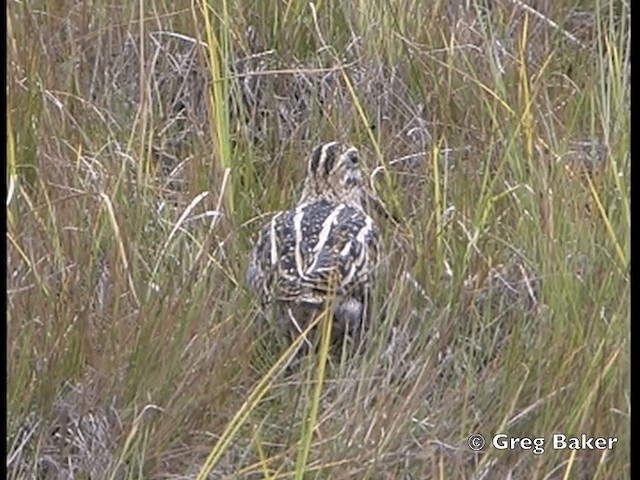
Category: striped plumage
<point>326,244</point>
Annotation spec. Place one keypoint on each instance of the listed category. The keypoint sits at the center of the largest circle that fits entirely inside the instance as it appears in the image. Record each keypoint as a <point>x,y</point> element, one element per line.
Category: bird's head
<point>334,173</point>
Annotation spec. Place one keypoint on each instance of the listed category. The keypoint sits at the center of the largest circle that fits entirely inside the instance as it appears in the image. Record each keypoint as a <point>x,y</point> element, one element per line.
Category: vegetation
<point>148,141</point>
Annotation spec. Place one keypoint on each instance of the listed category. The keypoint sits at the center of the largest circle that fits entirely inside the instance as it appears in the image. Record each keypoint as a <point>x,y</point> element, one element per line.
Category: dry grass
<point>148,141</point>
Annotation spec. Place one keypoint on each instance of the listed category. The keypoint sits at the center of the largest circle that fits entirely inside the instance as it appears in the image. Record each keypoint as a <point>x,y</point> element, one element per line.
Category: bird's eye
<point>353,158</point>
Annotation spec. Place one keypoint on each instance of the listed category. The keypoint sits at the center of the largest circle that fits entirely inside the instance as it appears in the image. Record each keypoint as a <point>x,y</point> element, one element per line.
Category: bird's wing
<point>342,259</point>
<point>307,253</point>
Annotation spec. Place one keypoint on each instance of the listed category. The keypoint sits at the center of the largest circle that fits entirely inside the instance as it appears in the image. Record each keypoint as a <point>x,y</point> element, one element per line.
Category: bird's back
<point>315,250</point>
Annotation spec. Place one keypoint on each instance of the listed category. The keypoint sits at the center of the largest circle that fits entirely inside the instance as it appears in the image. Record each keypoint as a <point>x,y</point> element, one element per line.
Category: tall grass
<point>147,143</point>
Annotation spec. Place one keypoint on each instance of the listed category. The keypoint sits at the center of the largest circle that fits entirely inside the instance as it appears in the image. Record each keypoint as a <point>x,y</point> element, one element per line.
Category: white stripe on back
<point>297,227</point>
<point>273,240</point>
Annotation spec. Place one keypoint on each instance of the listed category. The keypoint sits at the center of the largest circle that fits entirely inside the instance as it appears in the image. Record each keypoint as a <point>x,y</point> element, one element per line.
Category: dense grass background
<point>148,141</point>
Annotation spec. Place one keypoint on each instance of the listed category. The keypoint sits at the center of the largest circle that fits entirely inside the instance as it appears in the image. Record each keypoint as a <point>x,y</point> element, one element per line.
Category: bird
<point>322,253</point>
